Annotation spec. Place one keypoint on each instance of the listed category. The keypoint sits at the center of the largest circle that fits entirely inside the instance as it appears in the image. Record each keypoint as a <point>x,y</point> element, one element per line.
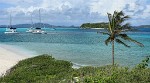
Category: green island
<point>102,25</point>
<point>105,25</point>
<point>94,25</point>
<point>45,69</point>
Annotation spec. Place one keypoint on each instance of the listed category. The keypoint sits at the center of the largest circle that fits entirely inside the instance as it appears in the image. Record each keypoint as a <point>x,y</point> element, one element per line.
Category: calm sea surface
<point>80,46</point>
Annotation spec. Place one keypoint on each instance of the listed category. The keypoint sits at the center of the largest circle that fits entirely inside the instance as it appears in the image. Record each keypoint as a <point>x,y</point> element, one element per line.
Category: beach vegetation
<point>40,69</point>
<point>46,69</point>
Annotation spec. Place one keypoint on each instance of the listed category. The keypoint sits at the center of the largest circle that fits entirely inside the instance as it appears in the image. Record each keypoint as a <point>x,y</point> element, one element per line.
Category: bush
<point>45,69</point>
<point>39,69</point>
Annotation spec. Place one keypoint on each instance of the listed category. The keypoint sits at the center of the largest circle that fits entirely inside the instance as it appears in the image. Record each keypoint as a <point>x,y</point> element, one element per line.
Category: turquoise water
<point>80,46</point>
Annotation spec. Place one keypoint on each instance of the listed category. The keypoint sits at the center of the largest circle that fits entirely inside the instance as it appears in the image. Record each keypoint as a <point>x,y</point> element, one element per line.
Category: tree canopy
<point>94,25</point>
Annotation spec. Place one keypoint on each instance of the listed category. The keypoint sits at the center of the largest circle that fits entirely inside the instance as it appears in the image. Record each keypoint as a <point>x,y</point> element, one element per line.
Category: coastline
<point>10,56</point>
<point>97,28</point>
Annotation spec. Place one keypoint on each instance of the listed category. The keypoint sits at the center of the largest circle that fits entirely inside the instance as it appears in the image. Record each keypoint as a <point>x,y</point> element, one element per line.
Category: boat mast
<point>10,19</point>
<point>40,17</point>
<point>32,21</point>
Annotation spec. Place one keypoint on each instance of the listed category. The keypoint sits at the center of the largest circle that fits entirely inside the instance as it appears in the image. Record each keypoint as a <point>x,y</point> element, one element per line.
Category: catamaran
<point>38,30</point>
<point>30,30</point>
<point>10,29</point>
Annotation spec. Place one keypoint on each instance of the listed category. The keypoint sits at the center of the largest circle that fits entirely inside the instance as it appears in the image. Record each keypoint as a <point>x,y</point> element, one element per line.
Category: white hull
<point>11,32</point>
<point>29,31</point>
<point>39,32</point>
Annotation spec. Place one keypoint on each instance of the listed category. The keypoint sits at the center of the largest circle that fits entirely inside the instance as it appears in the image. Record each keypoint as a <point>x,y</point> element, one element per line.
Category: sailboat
<point>10,29</point>
<point>30,30</point>
<point>38,30</point>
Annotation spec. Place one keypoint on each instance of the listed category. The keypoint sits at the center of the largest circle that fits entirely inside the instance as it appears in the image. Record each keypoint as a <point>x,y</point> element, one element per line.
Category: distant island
<point>94,25</point>
<point>143,26</point>
<point>105,25</point>
<point>36,25</point>
<point>83,26</point>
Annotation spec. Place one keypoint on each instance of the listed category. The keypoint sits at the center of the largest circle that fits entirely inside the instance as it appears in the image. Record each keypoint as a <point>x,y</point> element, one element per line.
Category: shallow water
<point>80,46</point>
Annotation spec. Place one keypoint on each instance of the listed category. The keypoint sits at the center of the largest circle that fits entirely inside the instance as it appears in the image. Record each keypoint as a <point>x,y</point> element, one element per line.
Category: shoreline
<point>97,28</point>
<point>10,56</point>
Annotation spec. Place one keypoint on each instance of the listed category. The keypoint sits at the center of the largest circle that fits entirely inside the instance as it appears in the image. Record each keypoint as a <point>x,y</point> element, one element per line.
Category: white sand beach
<point>9,56</point>
<point>97,28</point>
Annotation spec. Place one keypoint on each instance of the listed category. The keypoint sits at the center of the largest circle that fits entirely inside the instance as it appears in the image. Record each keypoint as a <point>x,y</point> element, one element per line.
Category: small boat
<point>39,30</point>
<point>30,30</point>
<point>10,29</point>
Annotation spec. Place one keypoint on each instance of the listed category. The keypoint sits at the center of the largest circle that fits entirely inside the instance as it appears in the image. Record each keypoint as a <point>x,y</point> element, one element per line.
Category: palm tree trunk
<point>113,52</point>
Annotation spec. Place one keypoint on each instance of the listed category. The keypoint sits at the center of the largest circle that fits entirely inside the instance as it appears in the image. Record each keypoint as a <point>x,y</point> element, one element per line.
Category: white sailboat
<point>10,29</point>
<point>30,30</point>
<point>38,30</point>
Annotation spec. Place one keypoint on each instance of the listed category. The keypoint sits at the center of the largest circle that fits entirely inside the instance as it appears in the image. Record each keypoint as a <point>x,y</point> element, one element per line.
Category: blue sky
<point>72,12</point>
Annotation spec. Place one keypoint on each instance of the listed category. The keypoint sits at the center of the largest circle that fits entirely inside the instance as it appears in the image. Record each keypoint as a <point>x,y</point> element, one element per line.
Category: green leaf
<point>126,37</point>
<point>119,41</point>
<point>108,40</point>
<point>110,22</point>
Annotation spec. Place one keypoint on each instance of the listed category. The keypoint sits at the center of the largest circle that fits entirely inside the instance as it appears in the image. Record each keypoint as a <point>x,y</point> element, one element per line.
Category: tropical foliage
<point>45,69</point>
<point>40,69</point>
<point>116,31</point>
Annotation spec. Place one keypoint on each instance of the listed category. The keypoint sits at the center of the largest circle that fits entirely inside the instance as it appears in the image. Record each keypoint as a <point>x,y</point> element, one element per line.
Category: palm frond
<point>118,31</point>
<point>121,42</point>
<point>126,37</point>
<point>108,40</point>
<point>126,17</point>
<point>126,26</point>
<point>122,19</point>
<point>121,13</point>
<point>110,22</point>
<point>113,21</point>
<point>138,43</point>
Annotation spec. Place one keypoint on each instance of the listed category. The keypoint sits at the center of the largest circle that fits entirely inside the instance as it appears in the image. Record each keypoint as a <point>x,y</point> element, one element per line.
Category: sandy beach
<point>9,56</point>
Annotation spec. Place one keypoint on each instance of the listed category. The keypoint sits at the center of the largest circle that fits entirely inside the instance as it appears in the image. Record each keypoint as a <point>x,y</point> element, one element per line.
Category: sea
<point>83,47</point>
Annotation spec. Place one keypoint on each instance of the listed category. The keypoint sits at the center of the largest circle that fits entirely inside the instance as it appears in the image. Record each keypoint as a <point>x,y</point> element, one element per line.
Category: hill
<point>29,25</point>
<point>143,26</point>
<point>37,25</point>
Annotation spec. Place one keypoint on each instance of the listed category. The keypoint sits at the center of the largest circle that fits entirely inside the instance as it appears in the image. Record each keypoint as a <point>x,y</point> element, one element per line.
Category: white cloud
<point>146,12</point>
<point>76,11</point>
<point>104,6</point>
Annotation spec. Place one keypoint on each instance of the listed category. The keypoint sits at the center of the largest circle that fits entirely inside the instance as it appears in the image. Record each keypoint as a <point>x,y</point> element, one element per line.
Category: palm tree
<point>115,30</point>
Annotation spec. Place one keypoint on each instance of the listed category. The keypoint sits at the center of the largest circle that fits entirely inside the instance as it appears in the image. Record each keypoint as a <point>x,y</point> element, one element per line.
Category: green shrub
<point>39,69</point>
<point>45,69</point>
